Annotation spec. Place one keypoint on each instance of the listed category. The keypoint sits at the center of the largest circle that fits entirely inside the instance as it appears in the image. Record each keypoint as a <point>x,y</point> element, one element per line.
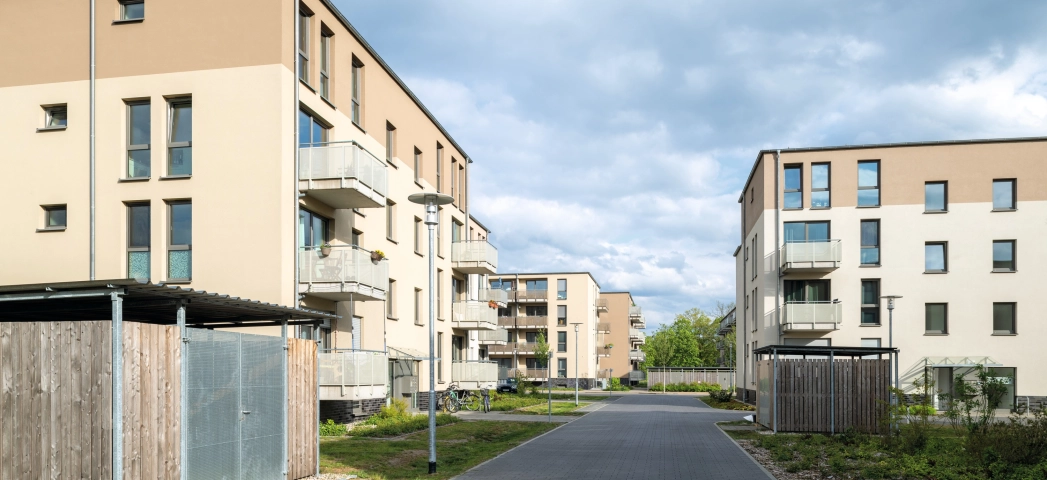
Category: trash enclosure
<point>823,389</point>
<point>85,392</point>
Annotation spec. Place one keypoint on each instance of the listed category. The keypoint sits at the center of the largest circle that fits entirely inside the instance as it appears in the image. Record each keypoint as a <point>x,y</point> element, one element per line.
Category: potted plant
<point>492,304</point>
<point>610,346</point>
<point>377,256</point>
<point>325,249</point>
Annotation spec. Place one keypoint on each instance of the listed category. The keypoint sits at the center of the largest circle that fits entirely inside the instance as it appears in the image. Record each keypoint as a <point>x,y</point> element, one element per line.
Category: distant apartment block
<point>955,228</point>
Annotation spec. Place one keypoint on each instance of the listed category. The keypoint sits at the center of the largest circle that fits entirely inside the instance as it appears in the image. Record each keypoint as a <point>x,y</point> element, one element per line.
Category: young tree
<point>541,351</point>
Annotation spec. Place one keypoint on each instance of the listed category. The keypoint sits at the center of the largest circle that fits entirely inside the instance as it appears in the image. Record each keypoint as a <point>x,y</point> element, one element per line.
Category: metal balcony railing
<point>535,295</point>
<point>603,351</point>
<point>343,175</point>
<point>498,336</point>
<point>353,374</point>
<point>603,327</point>
<point>637,355</point>
<point>812,256</point>
<point>347,273</point>
<point>474,316</point>
<point>493,294</point>
<point>476,256</point>
<point>520,348</point>
<point>635,311</point>
<point>529,322</point>
<point>474,375</point>
<point>812,315</point>
<point>637,375</point>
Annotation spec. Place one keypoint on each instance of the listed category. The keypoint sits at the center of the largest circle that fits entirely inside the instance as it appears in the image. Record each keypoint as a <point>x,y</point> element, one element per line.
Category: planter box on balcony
<point>816,256</point>
<point>477,257</point>
<point>353,375</point>
<point>346,274</point>
<point>343,176</point>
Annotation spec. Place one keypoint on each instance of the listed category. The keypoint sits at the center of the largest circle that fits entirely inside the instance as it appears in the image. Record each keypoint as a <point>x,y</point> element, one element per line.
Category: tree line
<point>689,341</point>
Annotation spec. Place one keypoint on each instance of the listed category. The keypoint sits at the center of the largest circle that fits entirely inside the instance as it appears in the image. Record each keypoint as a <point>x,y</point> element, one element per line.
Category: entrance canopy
<point>143,302</point>
<point>960,362</point>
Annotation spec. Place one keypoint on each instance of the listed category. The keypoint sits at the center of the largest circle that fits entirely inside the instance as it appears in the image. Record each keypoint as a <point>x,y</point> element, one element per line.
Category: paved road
<point>637,436</point>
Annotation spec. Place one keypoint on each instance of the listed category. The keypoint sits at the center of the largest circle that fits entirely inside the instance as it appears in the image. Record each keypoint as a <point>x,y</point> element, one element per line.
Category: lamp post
<point>549,382</point>
<point>576,362</point>
<point>890,333</point>
<point>431,201</point>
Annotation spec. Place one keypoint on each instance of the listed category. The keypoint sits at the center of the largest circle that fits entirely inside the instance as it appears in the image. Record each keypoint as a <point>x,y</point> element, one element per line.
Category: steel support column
<point>118,384</point>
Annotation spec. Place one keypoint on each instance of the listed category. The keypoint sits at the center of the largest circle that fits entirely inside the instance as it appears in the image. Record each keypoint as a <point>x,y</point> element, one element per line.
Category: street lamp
<point>576,362</point>
<point>431,201</point>
<point>890,332</point>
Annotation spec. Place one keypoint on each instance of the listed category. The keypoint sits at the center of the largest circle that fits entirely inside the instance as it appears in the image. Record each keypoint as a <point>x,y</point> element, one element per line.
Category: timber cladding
<point>807,400</point>
<point>152,403</point>
<point>302,424</point>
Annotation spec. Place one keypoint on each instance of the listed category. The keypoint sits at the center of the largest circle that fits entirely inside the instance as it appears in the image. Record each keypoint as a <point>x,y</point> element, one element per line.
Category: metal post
<point>576,364</point>
<point>283,383</point>
<point>184,390</point>
<point>832,393</point>
<point>316,335</point>
<point>118,385</point>
<point>774,398</point>
<point>431,221</point>
<point>549,382</point>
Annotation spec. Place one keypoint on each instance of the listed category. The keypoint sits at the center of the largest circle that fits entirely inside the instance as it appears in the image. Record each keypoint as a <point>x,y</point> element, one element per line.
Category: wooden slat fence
<point>303,429</point>
<point>689,375</point>
<point>152,404</point>
<point>806,398</point>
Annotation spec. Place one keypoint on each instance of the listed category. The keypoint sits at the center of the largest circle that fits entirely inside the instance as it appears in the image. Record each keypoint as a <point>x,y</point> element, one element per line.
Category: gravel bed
<point>763,457</point>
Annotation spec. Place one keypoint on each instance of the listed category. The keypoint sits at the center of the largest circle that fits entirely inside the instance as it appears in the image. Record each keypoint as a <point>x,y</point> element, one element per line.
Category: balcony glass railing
<point>353,374</point>
<point>812,315</point>
<point>495,295</point>
<point>815,254</point>
<point>477,253</point>
<point>346,160</point>
<point>474,316</point>
<point>472,375</point>
<point>345,264</point>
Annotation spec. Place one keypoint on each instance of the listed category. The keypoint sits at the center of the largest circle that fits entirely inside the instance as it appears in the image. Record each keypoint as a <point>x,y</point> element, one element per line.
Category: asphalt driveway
<point>636,436</point>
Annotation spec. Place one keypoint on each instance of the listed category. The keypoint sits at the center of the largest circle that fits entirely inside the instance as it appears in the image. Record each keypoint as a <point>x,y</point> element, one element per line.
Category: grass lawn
<point>459,447</point>
<point>502,402</point>
<point>732,405</point>
<point>559,408</point>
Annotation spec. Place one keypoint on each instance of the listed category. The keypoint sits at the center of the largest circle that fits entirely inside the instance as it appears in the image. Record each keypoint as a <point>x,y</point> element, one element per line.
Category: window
<point>561,315</point>
<point>55,117</point>
<point>138,240</point>
<point>439,228</point>
<point>500,284</point>
<point>180,241</point>
<point>561,341</point>
<point>311,131</point>
<point>870,302</point>
<point>461,186</point>
<point>440,356</point>
<point>54,217</point>
<point>417,235</point>
<point>935,197</point>
<point>139,130</point>
<point>357,238</point>
<point>871,342</point>
<point>1003,256</point>
<point>806,291</point>
<point>820,185</point>
<point>561,289</point>
<point>180,137</point>
<point>537,310</point>
<point>561,367</point>
<point>417,306</point>
<point>870,233</point>
<point>303,45</point>
<point>358,333</point>
<point>793,186</point>
<point>313,230</point>
<point>935,260</point>
<point>358,69</point>
<point>869,183</point>
<point>325,65</point>
<point>390,142</point>
<point>756,255</point>
<point>937,318</point>
<point>1003,320</point>
<point>439,293</point>
<point>390,300</point>
<point>454,178</point>
<point>798,232</point>
<point>132,9</point>
<point>390,220</point>
<point>439,167</point>
<point>1004,194</point>
<point>456,231</point>
<point>417,165</point>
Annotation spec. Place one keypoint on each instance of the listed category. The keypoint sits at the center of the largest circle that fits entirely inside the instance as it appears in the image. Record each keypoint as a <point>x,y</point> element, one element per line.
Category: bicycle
<point>448,401</point>
<point>470,401</point>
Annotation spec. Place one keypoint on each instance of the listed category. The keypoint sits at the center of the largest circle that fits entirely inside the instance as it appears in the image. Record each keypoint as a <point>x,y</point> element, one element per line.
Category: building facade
<point>626,323</point>
<point>952,227</point>
<point>271,157</point>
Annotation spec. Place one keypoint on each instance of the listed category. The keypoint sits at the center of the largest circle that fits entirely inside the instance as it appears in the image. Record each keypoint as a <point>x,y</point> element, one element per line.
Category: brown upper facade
<point>901,170</point>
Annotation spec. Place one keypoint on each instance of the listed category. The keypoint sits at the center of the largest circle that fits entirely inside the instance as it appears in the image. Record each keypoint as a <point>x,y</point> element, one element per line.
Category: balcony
<point>639,339</point>
<point>636,317</point>
<point>603,327</point>
<point>529,322</point>
<point>343,175</point>
<point>501,297</point>
<point>530,373</point>
<point>637,355</point>
<point>637,376</point>
<point>474,316</point>
<point>353,374</point>
<point>498,336</point>
<point>603,351</point>
<point>530,296</point>
<point>474,375</point>
<point>634,334</point>
<point>521,348</point>
<point>811,316</point>
<point>601,304</point>
<point>605,373</point>
<point>477,257</point>
<point>347,273</point>
<point>813,256</point>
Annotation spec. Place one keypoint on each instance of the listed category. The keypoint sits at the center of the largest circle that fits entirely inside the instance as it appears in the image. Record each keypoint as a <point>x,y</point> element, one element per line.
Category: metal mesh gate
<point>235,419</point>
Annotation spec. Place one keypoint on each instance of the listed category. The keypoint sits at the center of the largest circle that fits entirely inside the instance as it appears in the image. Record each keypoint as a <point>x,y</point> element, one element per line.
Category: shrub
<point>396,409</point>
<point>331,429</point>
<point>686,387</point>
<point>395,426</point>
<point>721,396</point>
<point>922,410</point>
<point>642,384</point>
<point>615,385</point>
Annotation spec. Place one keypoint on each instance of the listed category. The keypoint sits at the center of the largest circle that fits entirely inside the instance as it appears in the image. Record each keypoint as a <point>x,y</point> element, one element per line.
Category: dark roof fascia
<point>360,38</point>
<point>818,350</point>
<point>932,143</point>
<point>477,222</point>
<point>503,275</point>
<point>736,250</point>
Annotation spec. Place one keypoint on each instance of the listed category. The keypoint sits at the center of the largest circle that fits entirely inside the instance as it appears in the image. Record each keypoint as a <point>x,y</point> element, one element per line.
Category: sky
<point>615,137</point>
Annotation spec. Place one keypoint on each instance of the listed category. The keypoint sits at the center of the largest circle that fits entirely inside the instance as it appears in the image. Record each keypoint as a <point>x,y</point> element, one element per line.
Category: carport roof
<point>821,350</point>
<point>143,302</point>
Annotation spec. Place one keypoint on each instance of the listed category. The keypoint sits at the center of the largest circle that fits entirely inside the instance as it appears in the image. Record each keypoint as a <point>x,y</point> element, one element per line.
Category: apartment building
<point>954,228</point>
<point>625,322</point>
<point>261,148</point>
<point>551,304</point>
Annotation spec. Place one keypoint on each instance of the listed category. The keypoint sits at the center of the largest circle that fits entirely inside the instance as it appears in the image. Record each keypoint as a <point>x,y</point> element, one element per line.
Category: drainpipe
<point>777,246</point>
<point>745,320</point>
<point>91,155</point>
<point>297,158</point>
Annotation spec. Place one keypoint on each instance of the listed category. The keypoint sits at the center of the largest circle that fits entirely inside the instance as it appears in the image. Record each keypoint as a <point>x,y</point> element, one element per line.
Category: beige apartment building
<point>955,228</point>
<point>223,156</point>
<point>626,323</point>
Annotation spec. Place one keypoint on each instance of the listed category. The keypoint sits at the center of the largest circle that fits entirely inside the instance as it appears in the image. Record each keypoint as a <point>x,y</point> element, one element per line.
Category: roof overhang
<point>819,350</point>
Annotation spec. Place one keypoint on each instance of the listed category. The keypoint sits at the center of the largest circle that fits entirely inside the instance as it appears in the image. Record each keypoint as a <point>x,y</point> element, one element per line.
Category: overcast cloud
<point>615,137</point>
